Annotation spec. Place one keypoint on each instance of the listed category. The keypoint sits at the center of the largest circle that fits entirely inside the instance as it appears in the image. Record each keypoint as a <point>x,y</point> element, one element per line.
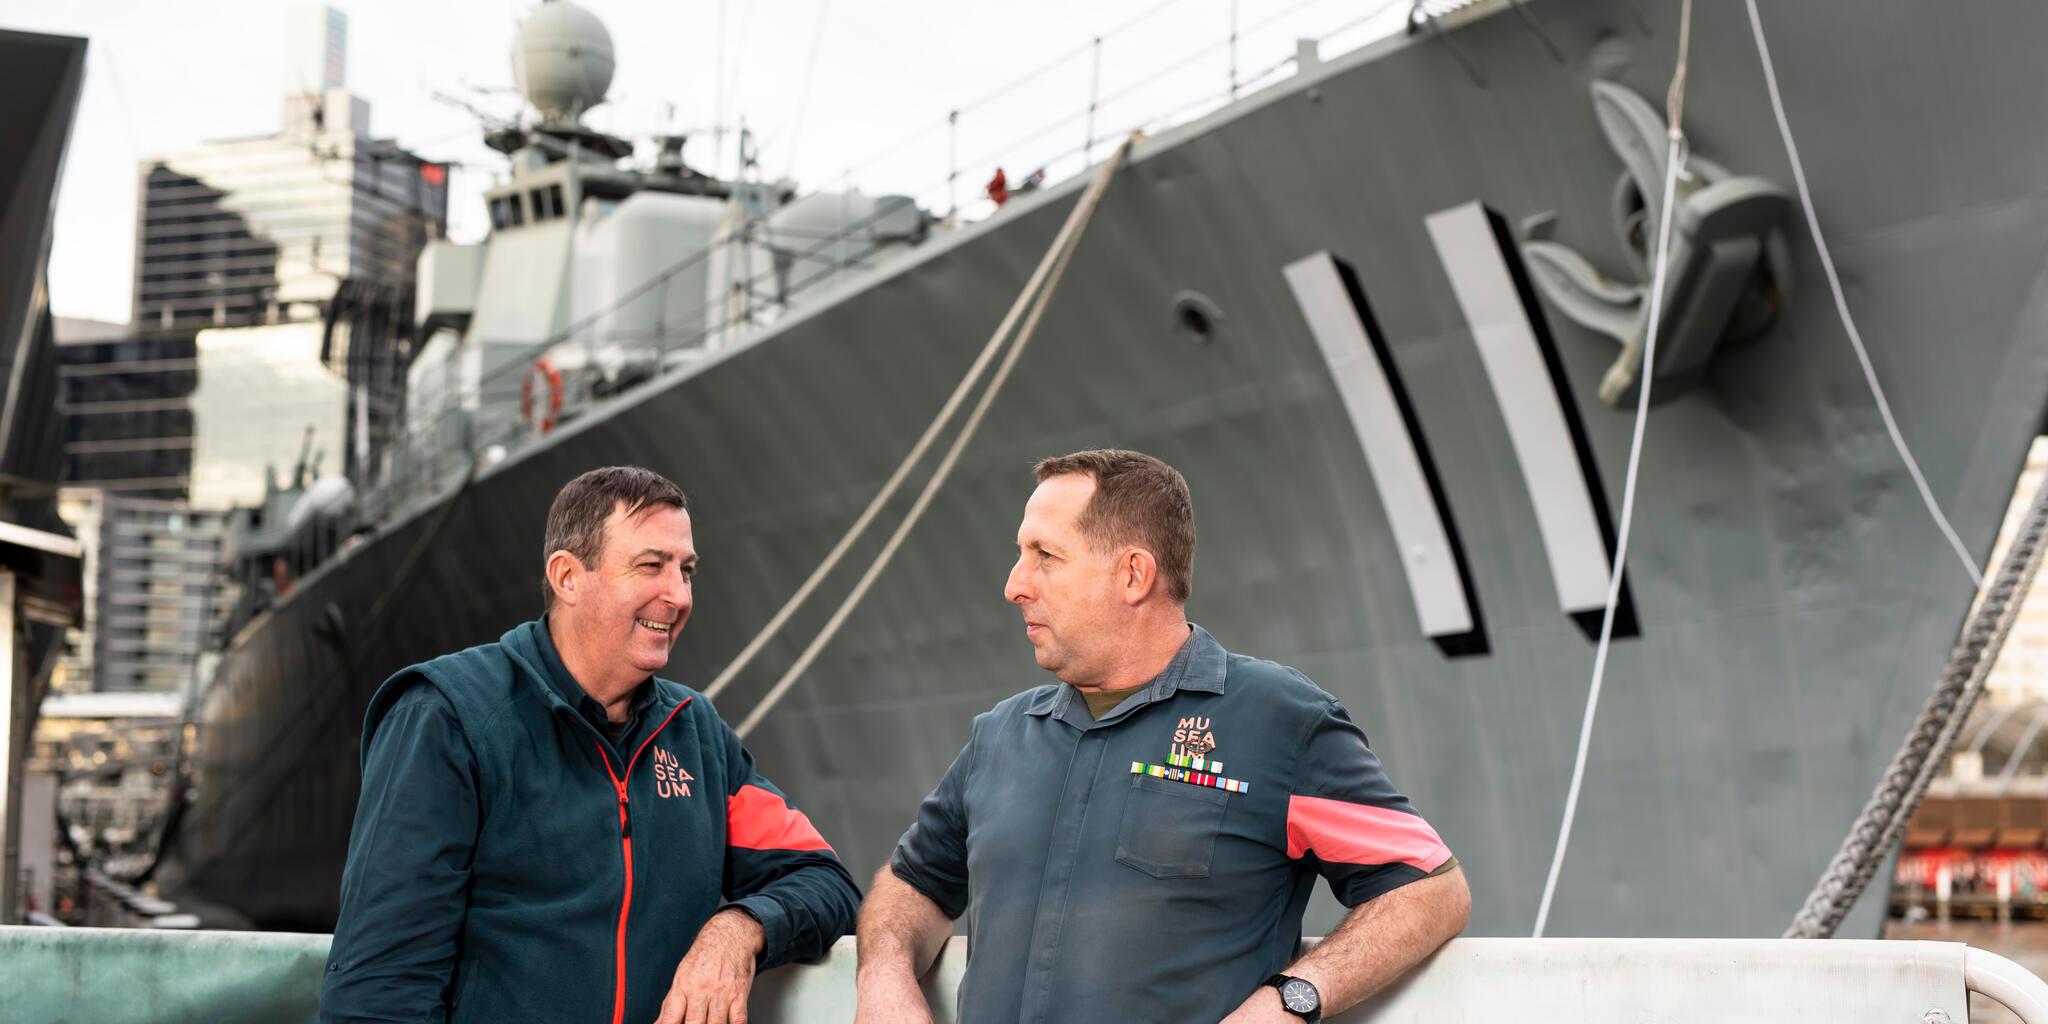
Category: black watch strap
<point>1280,982</point>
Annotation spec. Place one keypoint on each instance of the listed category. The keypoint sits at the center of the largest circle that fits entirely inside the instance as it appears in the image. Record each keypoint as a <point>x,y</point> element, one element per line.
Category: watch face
<point>1299,995</point>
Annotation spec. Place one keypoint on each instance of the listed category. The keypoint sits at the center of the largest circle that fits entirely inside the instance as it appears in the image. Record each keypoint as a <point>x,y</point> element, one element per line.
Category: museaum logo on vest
<point>671,779</point>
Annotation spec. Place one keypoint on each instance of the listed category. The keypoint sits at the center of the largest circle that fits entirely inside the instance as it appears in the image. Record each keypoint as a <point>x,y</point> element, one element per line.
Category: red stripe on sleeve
<point>756,819</point>
<point>1348,833</point>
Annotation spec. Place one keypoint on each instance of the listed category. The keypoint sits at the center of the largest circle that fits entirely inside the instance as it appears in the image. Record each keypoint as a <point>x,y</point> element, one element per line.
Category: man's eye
<point>650,565</point>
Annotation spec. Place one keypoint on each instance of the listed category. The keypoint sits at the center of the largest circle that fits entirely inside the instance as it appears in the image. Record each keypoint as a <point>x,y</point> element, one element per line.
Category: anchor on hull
<point>1728,262</point>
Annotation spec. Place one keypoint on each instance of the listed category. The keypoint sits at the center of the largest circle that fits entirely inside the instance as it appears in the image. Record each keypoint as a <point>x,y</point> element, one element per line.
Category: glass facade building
<point>127,408</point>
<point>160,594</point>
<point>263,230</point>
<point>253,261</point>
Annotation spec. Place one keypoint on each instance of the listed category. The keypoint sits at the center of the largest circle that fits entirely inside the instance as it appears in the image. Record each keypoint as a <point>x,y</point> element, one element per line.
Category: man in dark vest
<point>549,832</point>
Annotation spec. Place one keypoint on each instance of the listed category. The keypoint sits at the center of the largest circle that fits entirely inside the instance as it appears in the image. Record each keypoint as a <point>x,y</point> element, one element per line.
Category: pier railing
<point>1123,80</point>
<point>112,976</point>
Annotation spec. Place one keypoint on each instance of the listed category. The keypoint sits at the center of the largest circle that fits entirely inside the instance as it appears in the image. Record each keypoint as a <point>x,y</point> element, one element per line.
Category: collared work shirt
<point>621,735</point>
<point>1107,875</point>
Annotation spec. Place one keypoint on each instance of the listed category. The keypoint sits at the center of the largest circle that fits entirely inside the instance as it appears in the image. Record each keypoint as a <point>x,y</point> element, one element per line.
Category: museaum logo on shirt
<point>671,779</point>
<point>1193,738</point>
<point>1188,759</point>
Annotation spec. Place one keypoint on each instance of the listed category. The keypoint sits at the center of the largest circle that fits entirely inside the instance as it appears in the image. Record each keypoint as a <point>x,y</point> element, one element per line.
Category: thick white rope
<point>1060,255</point>
<point>1061,242</point>
<point>1827,263</point>
<point>1674,162</point>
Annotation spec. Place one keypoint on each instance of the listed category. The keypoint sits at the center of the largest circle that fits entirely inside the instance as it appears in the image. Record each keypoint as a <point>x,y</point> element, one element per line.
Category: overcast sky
<point>825,84</point>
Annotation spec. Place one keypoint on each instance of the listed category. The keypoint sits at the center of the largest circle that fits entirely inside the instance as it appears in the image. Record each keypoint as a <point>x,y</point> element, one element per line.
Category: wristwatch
<point>1298,997</point>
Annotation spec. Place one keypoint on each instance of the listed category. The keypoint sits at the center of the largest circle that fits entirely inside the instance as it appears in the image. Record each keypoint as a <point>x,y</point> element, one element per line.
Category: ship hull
<point>1794,600</point>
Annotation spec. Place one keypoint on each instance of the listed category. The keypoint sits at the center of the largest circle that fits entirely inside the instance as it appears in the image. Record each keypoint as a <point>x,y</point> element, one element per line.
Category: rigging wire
<point>803,92</point>
<point>1051,271</point>
<point>1827,264</point>
<point>1674,164</point>
<point>1048,267</point>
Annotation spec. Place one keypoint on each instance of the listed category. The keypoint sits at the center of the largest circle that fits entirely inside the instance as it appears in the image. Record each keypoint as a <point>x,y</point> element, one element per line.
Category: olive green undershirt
<point>1102,702</point>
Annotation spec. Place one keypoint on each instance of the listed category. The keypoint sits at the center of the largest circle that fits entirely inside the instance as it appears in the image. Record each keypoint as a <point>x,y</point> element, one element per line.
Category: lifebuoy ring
<point>547,372</point>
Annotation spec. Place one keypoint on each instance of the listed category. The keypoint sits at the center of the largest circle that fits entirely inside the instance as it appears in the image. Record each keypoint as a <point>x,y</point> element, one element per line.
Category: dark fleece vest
<point>591,877</point>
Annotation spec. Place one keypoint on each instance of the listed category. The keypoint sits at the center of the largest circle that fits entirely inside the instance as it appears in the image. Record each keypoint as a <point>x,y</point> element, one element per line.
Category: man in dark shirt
<point>1138,842</point>
<point>548,832</point>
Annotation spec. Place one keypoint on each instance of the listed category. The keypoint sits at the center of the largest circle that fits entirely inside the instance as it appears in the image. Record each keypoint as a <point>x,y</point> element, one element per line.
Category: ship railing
<point>1121,88</point>
<point>130,976</point>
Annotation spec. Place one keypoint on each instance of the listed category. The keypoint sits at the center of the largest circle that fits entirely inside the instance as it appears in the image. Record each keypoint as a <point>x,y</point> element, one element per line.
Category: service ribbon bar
<point>1190,776</point>
<point>1192,761</point>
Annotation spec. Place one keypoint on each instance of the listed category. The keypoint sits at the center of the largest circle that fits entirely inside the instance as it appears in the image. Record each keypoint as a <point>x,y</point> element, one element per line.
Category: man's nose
<point>677,592</point>
<point>1013,588</point>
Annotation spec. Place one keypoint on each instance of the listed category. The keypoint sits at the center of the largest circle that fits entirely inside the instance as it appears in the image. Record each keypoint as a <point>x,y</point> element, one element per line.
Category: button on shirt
<point>1114,870</point>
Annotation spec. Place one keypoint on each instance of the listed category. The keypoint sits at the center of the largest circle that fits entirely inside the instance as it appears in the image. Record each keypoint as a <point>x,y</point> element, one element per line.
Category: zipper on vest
<point>626,851</point>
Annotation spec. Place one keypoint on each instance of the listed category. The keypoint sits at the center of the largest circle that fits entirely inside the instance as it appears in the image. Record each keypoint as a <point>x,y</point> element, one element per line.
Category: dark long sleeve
<point>403,893</point>
<point>779,869</point>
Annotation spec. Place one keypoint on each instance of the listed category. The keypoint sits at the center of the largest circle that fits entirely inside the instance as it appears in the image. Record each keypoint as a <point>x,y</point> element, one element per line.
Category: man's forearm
<point>1382,939</point>
<point>900,928</point>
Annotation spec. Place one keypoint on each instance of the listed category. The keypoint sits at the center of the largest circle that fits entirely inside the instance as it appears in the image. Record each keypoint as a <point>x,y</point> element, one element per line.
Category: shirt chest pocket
<point>1169,828</point>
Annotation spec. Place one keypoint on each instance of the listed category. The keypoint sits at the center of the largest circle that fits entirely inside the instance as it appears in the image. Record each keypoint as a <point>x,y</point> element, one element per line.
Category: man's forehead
<point>662,527</point>
<point>1064,495</point>
<point>1055,506</point>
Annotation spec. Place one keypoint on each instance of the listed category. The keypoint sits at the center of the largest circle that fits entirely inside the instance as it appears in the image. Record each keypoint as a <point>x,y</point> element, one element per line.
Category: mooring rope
<point>1933,735</point>
<point>1877,830</point>
<point>1068,235</point>
<point>1035,299</point>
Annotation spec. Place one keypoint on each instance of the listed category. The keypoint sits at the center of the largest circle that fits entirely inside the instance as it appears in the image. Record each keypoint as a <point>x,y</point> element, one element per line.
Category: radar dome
<point>562,60</point>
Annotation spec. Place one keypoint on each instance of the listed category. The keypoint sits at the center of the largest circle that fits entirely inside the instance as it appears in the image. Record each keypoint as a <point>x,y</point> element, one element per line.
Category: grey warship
<point>1300,301</point>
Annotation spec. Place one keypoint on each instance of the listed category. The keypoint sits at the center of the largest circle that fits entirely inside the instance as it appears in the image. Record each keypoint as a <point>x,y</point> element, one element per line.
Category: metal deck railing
<point>133,976</point>
<point>1126,90</point>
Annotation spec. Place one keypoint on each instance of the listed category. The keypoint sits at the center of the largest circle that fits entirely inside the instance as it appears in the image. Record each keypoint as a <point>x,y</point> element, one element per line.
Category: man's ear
<point>565,576</point>
<point>1137,573</point>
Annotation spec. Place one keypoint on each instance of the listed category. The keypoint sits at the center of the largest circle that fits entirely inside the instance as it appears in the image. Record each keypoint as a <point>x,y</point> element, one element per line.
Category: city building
<point>273,286</point>
<point>1978,843</point>
<point>262,229</point>
<point>159,592</point>
<point>81,509</point>
<point>2020,674</point>
<point>44,78</point>
<point>319,222</point>
<point>126,401</point>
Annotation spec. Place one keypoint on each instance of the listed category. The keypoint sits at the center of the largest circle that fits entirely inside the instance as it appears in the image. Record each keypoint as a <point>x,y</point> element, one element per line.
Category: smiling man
<point>549,832</point>
<point>1137,841</point>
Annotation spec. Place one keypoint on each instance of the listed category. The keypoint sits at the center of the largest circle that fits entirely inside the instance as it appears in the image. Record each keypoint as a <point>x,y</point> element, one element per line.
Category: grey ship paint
<point>1792,602</point>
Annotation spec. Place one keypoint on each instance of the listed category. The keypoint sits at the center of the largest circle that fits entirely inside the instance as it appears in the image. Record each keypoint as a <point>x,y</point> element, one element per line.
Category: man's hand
<point>886,996</point>
<point>1262,1008</point>
<point>711,983</point>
